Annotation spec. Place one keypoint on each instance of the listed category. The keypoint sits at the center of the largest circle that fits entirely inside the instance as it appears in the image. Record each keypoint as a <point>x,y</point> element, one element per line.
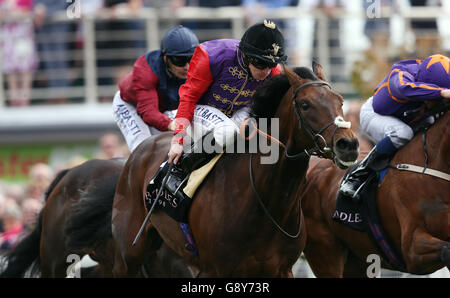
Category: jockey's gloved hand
<point>445,93</point>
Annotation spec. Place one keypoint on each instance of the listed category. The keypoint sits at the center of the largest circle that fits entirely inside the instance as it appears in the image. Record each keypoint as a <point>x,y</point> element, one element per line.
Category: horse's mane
<point>268,96</point>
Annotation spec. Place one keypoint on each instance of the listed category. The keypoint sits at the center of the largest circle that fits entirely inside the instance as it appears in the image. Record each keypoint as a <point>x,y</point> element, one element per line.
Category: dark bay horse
<point>76,220</point>
<point>246,218</point>
<point>414,210</point>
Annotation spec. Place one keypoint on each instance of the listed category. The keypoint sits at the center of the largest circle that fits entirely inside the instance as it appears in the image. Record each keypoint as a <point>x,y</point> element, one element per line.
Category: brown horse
<point>246,218</point>
<point>76,220</point>
<point>414,211</point>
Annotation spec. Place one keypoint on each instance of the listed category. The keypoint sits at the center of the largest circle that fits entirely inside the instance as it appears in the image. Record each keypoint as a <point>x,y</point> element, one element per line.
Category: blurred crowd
<point>41,50</point>
<point>20,203</point>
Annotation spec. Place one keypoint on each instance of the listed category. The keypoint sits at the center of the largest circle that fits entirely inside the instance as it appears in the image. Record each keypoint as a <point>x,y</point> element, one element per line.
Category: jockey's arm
<point>145,84</point>
<point>403,86</point>
<point>199,78</point>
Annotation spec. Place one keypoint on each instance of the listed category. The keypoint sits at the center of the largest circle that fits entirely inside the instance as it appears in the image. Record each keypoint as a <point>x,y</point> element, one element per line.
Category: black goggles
<point>261,64</point>
<point>180,60</point>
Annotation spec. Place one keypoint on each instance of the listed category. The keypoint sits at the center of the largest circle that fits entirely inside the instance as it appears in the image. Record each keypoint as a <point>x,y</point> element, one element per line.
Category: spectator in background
<point>212,27</point>
<point>12,225</point>
<point>30,212</point>
<point>118,49</point>
<point>54,40</point>
<point>41,175</point>
<point>112,146</point>
<point>19,49</point>
<point>15,192</point>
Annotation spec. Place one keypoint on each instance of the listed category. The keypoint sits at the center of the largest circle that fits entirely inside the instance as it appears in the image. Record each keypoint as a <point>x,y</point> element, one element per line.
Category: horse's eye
<point>305,106</point>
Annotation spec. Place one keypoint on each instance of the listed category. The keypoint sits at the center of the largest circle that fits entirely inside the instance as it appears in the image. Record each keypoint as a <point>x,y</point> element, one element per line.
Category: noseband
<point>316,136</point>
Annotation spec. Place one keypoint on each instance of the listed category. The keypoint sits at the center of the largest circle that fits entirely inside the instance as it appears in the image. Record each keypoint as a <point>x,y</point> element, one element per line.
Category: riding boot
<point>377,159</point>
<point>189,162</point>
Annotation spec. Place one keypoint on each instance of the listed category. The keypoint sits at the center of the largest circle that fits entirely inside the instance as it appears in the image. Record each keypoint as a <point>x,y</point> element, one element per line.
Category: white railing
<point>156,22</point>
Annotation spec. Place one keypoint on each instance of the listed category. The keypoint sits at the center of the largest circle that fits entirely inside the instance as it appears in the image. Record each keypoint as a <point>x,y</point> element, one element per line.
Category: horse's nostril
<point>347,144</point>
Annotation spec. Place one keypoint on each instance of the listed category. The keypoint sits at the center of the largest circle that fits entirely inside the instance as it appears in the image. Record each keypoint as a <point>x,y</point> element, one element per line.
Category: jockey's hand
<point>175,152</point>
<point>445,93</point>
<point>171,125</point>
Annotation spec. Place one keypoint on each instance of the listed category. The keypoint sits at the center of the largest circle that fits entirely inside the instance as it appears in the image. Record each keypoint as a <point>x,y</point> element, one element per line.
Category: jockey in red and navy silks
<point>395,106</point>
<point>221,81</point>
<point>148,97</point>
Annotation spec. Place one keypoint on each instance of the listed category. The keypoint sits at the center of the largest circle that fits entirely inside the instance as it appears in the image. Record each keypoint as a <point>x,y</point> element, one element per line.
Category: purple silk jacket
<point>409,84</point>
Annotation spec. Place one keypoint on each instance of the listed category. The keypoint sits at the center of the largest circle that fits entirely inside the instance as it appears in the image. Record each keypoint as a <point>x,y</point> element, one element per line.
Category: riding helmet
<point>435,70</point>
<point>264,41</point>
<point>179,41</point>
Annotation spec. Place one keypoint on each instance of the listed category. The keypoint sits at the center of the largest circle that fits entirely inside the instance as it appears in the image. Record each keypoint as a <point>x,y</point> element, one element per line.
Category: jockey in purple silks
<point>389,114</point>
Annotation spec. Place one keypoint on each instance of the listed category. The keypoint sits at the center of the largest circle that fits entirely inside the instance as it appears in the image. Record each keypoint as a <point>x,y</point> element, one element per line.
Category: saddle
<point>363,216</point>
<point>175,207</point>
<point>178,206</point>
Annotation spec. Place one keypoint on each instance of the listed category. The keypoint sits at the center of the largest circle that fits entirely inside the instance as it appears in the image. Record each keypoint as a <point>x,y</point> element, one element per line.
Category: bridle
<point>317,137</point>
<point>316,150</point>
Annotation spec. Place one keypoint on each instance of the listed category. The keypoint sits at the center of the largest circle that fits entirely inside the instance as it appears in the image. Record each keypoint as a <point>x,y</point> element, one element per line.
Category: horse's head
<point>319,126</point>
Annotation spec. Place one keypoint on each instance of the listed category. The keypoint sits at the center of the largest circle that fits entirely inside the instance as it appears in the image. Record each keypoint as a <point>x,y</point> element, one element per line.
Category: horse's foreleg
<point>323,251</point>
<point>354,267</point>
<point>425,254</point>
<point>125,225</point>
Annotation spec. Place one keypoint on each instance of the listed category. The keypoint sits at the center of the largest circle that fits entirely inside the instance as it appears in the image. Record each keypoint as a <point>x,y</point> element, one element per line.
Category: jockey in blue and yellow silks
<point>389,114</point>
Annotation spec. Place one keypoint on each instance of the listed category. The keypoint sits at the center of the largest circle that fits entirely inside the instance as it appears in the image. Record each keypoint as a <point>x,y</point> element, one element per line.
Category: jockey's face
<point>179,71</point>
<point>259,74</point>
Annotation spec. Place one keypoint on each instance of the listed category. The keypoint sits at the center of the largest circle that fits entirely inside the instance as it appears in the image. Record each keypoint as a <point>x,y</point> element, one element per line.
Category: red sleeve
<point>199,78</point>
<point>276,70</point>
<point>145,85</point>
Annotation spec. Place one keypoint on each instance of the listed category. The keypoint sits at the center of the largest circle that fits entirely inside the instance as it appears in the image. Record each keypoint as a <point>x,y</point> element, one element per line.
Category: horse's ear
<point>318,70</point>
<point>294,79</point>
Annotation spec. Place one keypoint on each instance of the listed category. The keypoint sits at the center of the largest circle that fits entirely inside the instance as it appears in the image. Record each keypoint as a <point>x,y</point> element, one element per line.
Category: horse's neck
<point>279,183</point>
<point>280,179</point>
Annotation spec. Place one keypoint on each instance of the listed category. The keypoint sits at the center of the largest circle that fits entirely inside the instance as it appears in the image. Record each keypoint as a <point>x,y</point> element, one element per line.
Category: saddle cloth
<point>175,207</point>
<point>363,216</point>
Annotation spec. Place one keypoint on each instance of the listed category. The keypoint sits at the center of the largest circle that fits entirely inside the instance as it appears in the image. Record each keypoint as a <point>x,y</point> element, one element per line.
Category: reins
<point>306,153</point>
<point>266,212</point>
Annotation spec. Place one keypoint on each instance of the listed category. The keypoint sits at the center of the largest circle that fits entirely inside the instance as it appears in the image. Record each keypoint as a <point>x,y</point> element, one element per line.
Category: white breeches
<point>133,128</point>
<point>207,118</point>
<point>381,126</point>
